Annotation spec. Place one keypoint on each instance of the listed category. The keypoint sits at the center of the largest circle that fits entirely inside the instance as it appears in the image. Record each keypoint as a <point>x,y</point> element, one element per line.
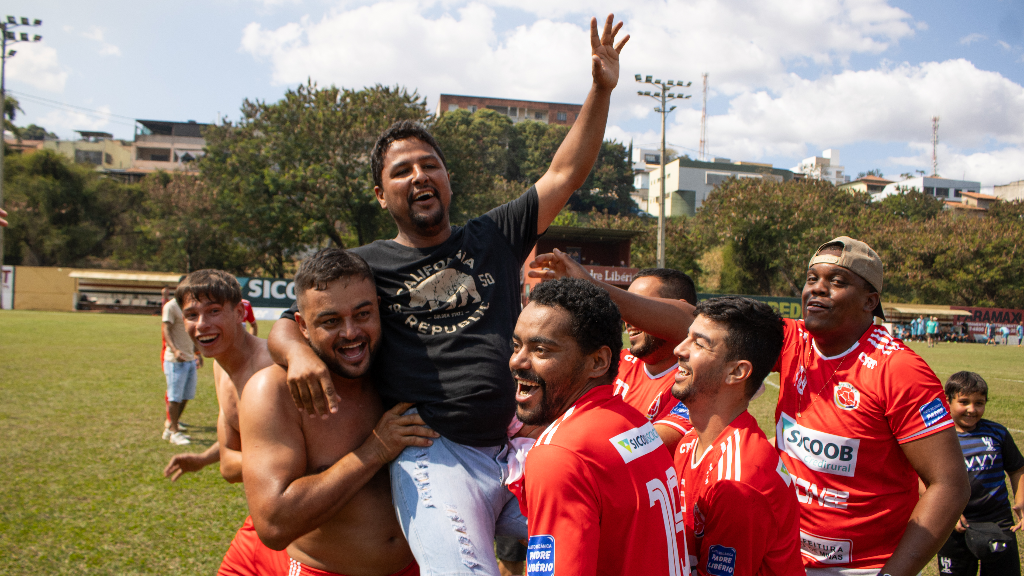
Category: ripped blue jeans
<point>451,500</point>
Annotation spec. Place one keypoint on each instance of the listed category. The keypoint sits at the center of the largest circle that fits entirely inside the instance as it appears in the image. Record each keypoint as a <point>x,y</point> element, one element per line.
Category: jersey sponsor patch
<point>825,550</point>
<point>540,555</point>
<point>681,410</point>
<point>721,560</point>
<point>819,451</point>
<point>637,442</point>
<point>846,396</point>
<point>932,412</point>
<point>783,473</point>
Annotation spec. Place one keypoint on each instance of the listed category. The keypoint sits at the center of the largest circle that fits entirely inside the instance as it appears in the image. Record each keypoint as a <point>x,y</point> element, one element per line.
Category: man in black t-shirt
<point>449,301</point>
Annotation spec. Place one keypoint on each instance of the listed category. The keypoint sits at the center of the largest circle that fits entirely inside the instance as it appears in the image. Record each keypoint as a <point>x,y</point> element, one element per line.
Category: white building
<point>941,188</point>
<point>1010,192</point>
<point>825,167</point>
<point>688,182</point>
<point>644,161</point>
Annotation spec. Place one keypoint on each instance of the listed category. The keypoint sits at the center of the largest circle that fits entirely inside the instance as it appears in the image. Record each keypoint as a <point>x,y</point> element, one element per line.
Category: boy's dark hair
<point>326,266</point>
<point>213,285</point>
<point>399,131</point>
<point>754,333</point>
<point>594,320</point>
<point>674,284</point>
<point>965,383</point>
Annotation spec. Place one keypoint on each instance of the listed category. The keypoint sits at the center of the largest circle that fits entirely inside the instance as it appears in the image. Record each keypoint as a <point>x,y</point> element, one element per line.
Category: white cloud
<point>65,122</point>
<point>36,65</point>
<point>972,38</point>
<point>995,167</point>
<point>106,48</point>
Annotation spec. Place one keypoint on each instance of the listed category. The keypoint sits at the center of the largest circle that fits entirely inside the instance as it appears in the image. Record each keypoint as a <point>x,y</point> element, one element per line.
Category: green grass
<point>81,412</point>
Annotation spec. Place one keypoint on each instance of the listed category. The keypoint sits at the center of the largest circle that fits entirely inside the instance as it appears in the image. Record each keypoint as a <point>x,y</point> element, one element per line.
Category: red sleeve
<point>564,518</point>
<point>249,316</point>
<point>732,543</point>
<point>915,404</point>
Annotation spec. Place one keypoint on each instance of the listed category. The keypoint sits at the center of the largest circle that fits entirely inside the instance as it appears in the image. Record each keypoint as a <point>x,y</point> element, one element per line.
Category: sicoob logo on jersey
<point>846,396</point>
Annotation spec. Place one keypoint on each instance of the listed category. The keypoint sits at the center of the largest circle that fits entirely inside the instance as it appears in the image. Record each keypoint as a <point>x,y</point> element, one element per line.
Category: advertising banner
<point>997,317</point>
<point>268,296</point>
<point>787,307</point>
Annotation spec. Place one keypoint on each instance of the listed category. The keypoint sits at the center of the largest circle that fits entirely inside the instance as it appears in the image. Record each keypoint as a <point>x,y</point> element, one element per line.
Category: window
<point>716,178</point>
<point>929,190</point>
<point>453,107</point>
<point>89,156</point>
<point>956,193</point>
<point>944,192</point>
<point>538,115</point>
<point>561,116</point>
<point>108,159</point>
<point>472,108</point>
<point>652,158</point>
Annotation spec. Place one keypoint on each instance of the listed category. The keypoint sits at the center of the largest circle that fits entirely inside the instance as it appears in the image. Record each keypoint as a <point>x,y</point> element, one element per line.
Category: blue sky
<point>788,78</point>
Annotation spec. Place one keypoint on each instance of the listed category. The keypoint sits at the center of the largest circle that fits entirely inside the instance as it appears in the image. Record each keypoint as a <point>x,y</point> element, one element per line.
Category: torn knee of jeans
<point>422,480</point>
<point>466,551</point>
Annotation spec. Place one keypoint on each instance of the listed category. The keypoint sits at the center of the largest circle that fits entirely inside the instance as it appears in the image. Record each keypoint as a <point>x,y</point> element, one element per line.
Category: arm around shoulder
<point>309,380</point>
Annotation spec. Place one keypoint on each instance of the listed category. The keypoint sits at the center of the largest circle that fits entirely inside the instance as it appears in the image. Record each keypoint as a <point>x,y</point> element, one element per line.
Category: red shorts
<point>297,568</point>
<point>248,556</point>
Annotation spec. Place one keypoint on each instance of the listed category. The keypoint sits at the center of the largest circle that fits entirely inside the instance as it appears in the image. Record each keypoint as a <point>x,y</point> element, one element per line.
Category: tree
<point>771,228</point>
<point>609,184</point>
<point>11,108</point>
<point>62,214</point>
<point>907,204</point>
<point>296,173</point>
<point>873,172</point>
<point>178,228</point>
<point>33,132</point>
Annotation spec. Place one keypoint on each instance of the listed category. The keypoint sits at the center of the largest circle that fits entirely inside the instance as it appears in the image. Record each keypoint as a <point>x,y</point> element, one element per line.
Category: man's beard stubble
<point>647,346</point>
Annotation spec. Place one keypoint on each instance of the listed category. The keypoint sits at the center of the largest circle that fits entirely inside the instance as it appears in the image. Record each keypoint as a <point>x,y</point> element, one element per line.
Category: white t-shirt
<point>179,337</point>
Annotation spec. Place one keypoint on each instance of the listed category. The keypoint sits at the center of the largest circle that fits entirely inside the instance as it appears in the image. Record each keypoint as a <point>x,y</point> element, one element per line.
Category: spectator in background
<point>180,363</point>
<point>1020,334</point>
<point>1004,334</point>
<point>250,318</point>
<point>990,333</point>
<point>932,328</point>
<point>990,454</point>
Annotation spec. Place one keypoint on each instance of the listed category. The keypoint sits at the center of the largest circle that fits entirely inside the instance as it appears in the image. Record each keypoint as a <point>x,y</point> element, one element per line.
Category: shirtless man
<point>212,308</point>
<point>320,487</point>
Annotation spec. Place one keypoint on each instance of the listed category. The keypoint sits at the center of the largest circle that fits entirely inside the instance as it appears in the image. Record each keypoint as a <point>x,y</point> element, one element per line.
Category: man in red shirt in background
<point>599,489</point>
<point>741,515</point>
<point>859,419</point>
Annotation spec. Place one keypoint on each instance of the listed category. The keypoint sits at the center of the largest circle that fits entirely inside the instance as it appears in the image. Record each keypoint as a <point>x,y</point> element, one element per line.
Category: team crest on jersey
<point>653,410</point>
<point>698,521</point>
<point>846,396</point>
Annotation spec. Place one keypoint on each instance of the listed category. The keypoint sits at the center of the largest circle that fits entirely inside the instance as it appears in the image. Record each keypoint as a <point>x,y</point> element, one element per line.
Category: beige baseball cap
<point>857,257</point>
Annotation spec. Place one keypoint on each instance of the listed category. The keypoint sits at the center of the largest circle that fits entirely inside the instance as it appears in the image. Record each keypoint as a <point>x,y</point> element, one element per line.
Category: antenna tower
<point>703,152</point>
<point>935,145</point>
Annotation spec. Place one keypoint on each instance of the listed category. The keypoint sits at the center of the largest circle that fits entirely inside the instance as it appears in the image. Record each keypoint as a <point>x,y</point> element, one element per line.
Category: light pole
<point>664,96</point>
<point>9,37</point>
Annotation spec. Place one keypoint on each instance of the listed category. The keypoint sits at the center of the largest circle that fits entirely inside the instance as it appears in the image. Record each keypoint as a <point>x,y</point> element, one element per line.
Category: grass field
<point>81,411</point>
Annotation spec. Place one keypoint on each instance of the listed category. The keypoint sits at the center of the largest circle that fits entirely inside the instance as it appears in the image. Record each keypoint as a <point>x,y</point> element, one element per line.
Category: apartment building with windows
<point>168,146</point>
<point>688,182</point>
<point>516,110</point>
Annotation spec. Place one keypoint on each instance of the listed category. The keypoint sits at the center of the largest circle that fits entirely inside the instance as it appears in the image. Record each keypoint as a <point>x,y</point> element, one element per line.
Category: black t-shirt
<point>989,453</point>
<point>447,314</point>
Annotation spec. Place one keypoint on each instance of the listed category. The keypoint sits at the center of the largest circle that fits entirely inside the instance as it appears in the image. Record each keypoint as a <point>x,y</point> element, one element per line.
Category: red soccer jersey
<point>651,394</point>
<point>741,515</point>
<point>601,495</point>
<point>839,425</point>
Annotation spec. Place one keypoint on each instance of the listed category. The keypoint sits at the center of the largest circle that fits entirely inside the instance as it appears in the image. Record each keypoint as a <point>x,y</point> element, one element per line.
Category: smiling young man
<point>739,508</point>
<point>450,296</point>
<point>320,486</point>
<point>860,417</point>
<point>213,313</point>
<point>599,489</point>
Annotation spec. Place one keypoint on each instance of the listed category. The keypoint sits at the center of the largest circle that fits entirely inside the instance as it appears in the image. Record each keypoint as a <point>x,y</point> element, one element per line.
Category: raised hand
<point>556,265</point>
<point>605,53</point>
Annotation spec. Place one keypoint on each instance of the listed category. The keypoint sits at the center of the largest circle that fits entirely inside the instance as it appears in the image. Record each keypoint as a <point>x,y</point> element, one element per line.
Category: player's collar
<point>657,376</point>
<point>840,355</point>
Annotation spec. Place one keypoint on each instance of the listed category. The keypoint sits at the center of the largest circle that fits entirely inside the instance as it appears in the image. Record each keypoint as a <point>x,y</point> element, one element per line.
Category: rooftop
<point>978,196</point>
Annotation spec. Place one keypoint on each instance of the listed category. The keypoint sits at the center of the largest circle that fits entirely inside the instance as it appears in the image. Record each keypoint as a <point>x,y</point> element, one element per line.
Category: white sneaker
<point>179,439</point>
<point>167,434</point>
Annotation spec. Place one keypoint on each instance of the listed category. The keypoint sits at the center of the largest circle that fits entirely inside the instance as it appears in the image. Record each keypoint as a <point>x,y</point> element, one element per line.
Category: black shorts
<point>954,558</point>
<point>509,549</point>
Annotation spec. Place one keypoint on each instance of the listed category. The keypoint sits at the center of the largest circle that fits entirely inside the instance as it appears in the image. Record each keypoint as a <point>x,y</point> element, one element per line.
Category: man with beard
<point>212,312</point>
<point>320,486</point>
<point>450,297</point>
<point>739,507</point>
<point>599,489</point>
<point>659,301</point>
<point>860,417</point>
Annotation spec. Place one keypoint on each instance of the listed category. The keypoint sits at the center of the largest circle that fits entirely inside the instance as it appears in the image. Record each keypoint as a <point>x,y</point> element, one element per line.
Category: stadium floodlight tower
<point>10,37</point>
<point>663,95</point>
